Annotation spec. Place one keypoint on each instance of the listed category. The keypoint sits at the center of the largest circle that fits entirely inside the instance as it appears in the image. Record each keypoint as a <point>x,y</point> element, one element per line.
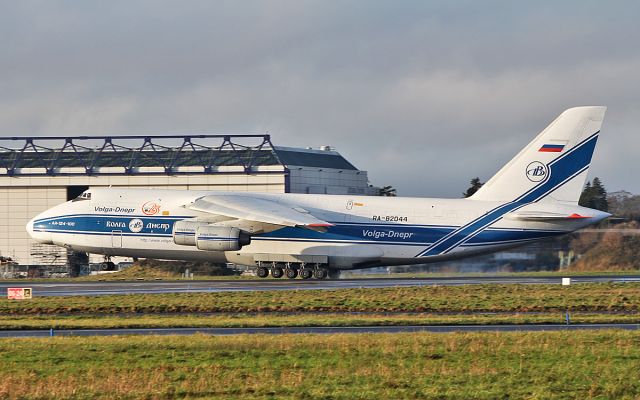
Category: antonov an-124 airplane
<point>534,196</point>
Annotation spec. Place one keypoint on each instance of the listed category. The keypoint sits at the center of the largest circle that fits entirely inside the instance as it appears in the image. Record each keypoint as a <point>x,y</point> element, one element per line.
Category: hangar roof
<point>93,155</point>
<point>291,156</point>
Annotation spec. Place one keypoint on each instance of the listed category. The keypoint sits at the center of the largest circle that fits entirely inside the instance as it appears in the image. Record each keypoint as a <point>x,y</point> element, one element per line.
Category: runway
<point>197,286</point>
<point>315,330</point>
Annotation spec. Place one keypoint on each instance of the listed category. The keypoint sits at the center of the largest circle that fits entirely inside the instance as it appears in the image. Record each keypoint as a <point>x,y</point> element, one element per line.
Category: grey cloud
<point>424,95</point>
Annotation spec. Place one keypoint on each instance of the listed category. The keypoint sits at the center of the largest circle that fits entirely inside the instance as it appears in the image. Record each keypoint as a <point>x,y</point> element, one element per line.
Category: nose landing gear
<point>107,264</point>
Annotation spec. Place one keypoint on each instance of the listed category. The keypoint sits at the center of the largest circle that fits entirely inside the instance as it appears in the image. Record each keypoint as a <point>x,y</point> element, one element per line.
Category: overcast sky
<point>423,95</point>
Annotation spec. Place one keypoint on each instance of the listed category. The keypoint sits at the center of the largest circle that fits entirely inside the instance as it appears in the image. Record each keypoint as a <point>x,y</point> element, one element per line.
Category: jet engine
<point>209,237</point>
<point>184,232</point>
<point>220,238</point>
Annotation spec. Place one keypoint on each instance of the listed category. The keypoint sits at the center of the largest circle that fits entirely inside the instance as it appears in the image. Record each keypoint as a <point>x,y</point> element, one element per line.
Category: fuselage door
<point>116,239</point>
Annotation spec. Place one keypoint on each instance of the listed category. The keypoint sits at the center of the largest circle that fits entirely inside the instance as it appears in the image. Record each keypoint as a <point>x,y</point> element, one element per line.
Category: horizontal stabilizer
<point>545,216</point>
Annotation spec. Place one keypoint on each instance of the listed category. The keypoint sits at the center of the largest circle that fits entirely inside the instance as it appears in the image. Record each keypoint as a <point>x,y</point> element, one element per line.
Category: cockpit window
<point>83,196</point>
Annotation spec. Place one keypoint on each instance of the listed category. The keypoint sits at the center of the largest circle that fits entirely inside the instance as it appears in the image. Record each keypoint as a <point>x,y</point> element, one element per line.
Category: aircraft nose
<point>29,227</point>
<point>38,235</point>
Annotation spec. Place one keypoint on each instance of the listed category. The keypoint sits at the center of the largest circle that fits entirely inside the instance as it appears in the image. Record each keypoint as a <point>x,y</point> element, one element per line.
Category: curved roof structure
<point>170,155</point>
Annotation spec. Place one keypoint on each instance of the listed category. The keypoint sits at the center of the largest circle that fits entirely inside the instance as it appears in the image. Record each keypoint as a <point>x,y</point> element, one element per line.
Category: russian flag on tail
<point>551,148</point>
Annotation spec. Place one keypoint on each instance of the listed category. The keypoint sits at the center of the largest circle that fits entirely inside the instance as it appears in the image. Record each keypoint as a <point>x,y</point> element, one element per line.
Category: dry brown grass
<point>610,251</point>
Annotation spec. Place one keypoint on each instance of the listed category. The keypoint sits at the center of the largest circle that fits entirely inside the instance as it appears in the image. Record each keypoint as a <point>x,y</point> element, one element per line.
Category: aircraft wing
<point>257,209</point>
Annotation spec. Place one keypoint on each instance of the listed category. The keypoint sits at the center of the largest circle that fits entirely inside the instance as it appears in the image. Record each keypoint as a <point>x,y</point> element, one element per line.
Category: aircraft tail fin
<point>554,166</point>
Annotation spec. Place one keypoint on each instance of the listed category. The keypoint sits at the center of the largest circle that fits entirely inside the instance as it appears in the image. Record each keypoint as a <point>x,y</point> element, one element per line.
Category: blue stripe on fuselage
<point>105,224</point>
<point>370,233</point>
<point>374,233</point>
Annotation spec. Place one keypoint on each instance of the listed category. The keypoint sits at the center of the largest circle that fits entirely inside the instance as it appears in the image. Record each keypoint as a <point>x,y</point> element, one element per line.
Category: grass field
<point>475,298</point>
<point>429,305</point>
<point>536,365</point>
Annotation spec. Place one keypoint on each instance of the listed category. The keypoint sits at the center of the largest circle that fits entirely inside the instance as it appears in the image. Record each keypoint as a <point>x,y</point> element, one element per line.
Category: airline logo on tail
<point>536,171</point>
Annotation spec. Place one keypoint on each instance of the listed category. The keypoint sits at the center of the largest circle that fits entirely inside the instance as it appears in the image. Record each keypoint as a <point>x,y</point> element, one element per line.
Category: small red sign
<point>19,293</point>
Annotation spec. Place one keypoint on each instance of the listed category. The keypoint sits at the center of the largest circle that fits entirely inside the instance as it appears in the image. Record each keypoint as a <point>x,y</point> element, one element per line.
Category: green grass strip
<point>278,320</point>
<point>467,298</point>
<point>549,365</point>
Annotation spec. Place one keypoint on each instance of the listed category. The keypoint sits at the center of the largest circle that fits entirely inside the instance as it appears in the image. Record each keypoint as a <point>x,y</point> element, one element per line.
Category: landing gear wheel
<point>306,273</point>
<point>262,272</point>
<point>320,273</point>
<point>277,272</point>
<point>291,273</point>
<point>107,266</point>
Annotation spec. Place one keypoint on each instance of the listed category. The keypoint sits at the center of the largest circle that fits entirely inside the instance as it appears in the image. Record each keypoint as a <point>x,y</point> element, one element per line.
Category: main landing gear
<point>320,273</point>
<point>306,273</point>
<point>262,272</point>
<point>291,271</point>
<point>277,272</point>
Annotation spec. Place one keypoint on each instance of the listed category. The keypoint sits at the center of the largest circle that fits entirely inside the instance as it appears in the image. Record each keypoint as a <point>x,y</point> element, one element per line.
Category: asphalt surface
<point>315,330</point>
<point>151,287</point>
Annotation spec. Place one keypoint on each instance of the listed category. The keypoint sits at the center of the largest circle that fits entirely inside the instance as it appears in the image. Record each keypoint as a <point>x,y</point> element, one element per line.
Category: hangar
<point>37,173</point>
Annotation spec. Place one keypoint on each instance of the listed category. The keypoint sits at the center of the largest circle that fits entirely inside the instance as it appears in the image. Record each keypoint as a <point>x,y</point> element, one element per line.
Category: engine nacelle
<point>220,238</point>
<point>184,232</point>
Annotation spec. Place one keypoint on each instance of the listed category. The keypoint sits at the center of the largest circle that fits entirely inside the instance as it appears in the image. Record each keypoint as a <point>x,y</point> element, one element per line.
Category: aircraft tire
<point>291,273</point>
<point>107,266</point>
<point>277,272</point>
<point>320,273</point>
<point>306,273</point>
<point>262,272</point>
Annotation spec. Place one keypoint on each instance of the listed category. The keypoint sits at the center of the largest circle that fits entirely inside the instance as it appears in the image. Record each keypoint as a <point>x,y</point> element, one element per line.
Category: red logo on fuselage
<point>150,208</point>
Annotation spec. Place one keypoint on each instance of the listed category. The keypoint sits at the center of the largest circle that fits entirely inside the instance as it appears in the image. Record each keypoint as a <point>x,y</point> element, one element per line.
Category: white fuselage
<point>366,231</point>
